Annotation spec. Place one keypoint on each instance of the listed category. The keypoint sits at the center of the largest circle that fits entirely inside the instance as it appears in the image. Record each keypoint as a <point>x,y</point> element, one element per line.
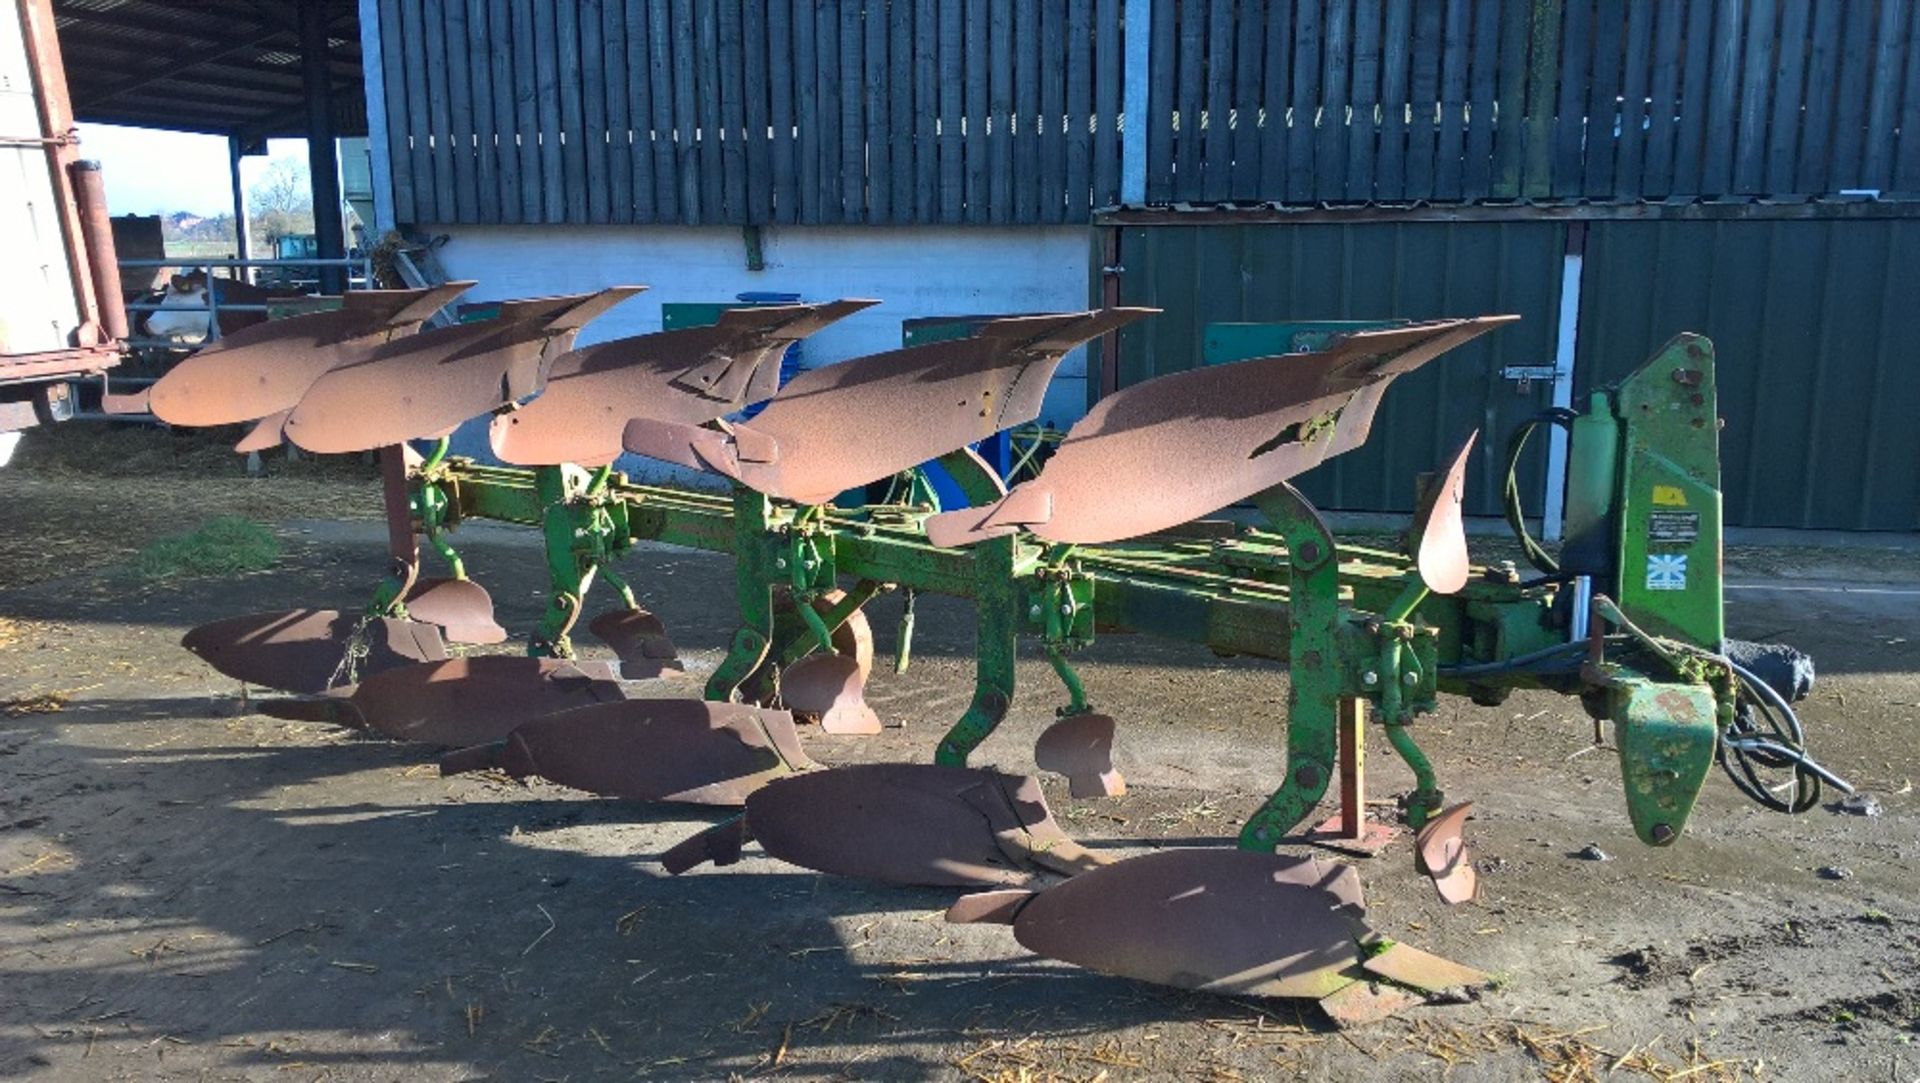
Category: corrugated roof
<point>227,67</point>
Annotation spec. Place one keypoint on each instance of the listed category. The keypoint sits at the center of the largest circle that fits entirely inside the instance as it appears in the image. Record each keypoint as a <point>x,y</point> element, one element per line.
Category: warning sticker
<point>1673,526</point>
<point>1667,571</point>
<point>1672,496</point>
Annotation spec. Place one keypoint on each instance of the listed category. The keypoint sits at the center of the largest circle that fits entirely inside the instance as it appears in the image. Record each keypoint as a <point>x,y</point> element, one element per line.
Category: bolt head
<point>1369,678</point>
<point>1066,610</point>
<point>1034,612</point>
<point>1409,679</point>
<point>780,562</point>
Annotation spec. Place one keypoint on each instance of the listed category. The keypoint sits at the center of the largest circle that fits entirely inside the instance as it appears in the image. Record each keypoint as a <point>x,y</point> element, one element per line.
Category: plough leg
<point>1313,707</point>
<point>569,574</point>
<point>753,589</point>
<point>996,601</point>
<point>403,545</point>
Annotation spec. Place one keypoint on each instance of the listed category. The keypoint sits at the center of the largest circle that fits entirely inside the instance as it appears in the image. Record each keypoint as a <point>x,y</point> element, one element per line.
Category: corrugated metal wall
<point>1417,270</point>
<point>1819,374</point>
<point>1819,378</point>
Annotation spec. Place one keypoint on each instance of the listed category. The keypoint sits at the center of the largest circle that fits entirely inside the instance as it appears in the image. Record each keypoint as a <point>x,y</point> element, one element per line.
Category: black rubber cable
<point>1786,747</point>
<point>1510,496</point>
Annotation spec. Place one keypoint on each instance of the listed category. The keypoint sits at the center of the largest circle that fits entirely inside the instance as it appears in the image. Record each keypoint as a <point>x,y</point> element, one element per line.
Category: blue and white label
<point>1667,571</point>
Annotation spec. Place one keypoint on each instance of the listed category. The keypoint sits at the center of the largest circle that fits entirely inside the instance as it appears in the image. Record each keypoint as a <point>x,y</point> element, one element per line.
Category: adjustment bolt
<point>1369,678</point>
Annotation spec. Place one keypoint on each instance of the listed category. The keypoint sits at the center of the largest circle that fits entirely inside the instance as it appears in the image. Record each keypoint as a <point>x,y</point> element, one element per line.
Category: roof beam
<point>171,69</point>
<point>272,80</point>
<point>295,115</point>
<point>172,25</point>
<point>99,57</point>
<point>201,126</point>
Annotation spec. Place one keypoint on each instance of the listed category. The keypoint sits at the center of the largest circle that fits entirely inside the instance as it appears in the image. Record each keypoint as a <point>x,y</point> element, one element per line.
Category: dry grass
<point>1032,1059</point>
<point>44,703</point>
<point>80,498</point>
<point>1574,1056</point>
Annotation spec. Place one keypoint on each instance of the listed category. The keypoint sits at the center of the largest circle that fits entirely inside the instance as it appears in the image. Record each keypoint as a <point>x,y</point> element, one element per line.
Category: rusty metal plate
<point>1440,850</point>
<point>829,688</point>
<point>641,642</point>
<point>677,750</point>
<point>432,382</point>
<point>266,433</point>
<point>1441,553</point>
<point>134,402</point>
<point>1221,921</point>
<point>915,824</point>
<point>265,368</point>
<point>1080,746</point>
<point>854,636</point>
<point>461,607</point>
<point>989,907</point>
<point>848,424</point>
<point>460,701</point>
<point>692,375</point>
<point>1418,969</point>
<point>305,650</point>
<point>1160,453</point>
<point>1364,1002</point>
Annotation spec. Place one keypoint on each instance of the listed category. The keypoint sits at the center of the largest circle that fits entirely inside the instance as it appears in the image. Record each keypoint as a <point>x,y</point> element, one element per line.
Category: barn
<point>1612,171</point>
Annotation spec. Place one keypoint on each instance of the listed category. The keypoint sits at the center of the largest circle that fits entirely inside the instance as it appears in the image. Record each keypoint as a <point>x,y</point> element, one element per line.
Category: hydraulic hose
<point>1510,494</point>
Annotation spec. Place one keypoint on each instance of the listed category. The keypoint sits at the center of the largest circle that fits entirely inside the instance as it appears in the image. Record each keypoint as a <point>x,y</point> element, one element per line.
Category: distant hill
<point>187,227</point>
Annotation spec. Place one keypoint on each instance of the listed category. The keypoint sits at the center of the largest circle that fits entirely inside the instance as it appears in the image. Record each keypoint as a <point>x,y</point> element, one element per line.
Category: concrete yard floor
<point>192,890</point>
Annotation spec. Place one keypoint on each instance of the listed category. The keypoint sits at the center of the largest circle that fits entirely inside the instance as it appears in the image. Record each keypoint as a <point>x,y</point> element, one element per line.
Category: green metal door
<point>1203,275</point>
<point>1817,370</point>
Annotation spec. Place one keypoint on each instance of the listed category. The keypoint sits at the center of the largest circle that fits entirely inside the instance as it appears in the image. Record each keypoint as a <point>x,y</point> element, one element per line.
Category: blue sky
<point>154,172</point>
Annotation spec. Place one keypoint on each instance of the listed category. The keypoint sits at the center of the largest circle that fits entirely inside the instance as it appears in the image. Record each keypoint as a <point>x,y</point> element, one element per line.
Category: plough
<point>1101,537</point>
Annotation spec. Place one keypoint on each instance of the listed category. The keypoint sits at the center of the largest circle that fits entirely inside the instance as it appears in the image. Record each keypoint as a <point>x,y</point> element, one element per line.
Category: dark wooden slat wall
<point>756,111</point>
<point>1008,111</point>
<point>1473,100</point>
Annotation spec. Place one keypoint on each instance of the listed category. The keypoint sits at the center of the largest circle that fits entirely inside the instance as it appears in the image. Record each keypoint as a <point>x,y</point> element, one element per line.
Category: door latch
<point>1523,376</point>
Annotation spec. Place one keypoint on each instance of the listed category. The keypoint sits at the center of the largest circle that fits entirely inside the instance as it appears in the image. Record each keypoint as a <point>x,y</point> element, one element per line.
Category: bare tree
<point>281,201</point>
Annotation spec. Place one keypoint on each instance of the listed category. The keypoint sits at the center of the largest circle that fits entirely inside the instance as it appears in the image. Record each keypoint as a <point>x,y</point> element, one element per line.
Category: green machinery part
<point>1356,622</point>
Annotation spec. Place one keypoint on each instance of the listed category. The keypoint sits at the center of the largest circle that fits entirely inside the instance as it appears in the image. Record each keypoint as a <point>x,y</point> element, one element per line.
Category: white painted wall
<point>914,271</point>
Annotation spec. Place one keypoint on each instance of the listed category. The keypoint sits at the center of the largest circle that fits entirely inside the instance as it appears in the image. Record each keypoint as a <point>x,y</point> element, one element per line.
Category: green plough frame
<point>1356,622</point>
